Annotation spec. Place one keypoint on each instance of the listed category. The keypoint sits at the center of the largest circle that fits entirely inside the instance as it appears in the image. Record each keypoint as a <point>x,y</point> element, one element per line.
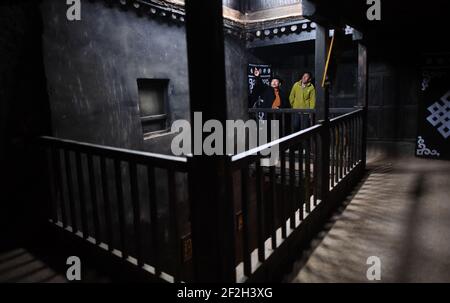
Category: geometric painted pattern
<point>440,115</point>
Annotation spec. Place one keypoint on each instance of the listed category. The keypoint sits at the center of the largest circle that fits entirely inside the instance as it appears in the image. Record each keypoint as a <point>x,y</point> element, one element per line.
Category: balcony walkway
<point>400,212</point>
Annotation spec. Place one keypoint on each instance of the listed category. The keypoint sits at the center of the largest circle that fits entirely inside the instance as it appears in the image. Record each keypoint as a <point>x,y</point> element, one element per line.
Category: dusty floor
<point>28,265</point>
<point>400,213</point>
<point>20,265</point>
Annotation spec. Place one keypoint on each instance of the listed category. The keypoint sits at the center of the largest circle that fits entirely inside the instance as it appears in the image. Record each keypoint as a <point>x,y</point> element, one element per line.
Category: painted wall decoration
<point>266,73</point>
<point>440,115</point>
<point>433,135</point>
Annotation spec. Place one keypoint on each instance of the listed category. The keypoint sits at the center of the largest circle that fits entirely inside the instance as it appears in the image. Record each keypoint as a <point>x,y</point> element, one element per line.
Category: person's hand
<point>257,72</point>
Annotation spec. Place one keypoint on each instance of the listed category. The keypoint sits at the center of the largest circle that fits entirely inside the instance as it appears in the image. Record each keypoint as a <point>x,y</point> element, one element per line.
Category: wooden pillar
<point>211,208</point>
<point>321,43</point>
<point>322,110</point>
<point>244,6</point>
<point>363,93</point>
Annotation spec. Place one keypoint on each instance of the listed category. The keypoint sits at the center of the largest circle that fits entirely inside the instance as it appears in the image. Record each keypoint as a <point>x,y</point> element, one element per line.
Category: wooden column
<point>321,44</point>
<point>363,93</point>
<point>212,213</point>
<point>322,109</point>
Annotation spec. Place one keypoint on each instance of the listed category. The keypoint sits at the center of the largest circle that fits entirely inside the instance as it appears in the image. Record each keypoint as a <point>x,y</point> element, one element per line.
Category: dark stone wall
<point>92,66</point>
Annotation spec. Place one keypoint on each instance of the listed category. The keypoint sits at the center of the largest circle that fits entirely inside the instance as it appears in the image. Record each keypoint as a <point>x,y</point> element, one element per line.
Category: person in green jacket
<point>303,93</point>
<point>303,96</point>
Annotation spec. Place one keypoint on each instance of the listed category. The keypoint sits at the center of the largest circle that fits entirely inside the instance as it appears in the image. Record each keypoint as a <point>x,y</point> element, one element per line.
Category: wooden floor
<point>20,265</point>
<point>43,263</point>
<point>400,213</point>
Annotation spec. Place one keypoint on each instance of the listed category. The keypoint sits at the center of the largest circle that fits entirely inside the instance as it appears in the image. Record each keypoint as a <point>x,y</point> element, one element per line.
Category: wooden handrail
<point>345,117</point>
<point>334,110</point>
<point>283,143</point>
<point>153,159</point>
<point>280,110</point>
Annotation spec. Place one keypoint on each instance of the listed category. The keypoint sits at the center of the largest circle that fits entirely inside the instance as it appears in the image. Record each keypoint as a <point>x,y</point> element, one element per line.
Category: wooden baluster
<point>301,182</point>
<point>69,179</point>
<point>291,120</point>
<point>273,200</point>
<point>82,192</point>
<point>245,180</point>
<point>121,208</point>
<point>346,148</point>
<point>56,157</point>
<point>260,213</point>
<point>308,175</point>
<point>332,159</point>
<point>316,173</point>
<point>282,204</point>
<point>292,186</point>
<point>136,213</point>
<point>353,141</point>
<point>338,152</point>
<point>349,144</point>
<point>344,128</point>
<point>106,205</point>
<point>173,219</point>
<point>94,202</point>
<point>51,205</point>
<point>153,219</point>
<point>360,136</point>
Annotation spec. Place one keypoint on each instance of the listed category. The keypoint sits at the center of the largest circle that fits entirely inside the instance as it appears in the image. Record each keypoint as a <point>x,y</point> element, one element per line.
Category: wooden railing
<point>276,198</point>
<point>346,136</point>
<point>120,200</point>
<point>306,117</point>
<point>135,205</point>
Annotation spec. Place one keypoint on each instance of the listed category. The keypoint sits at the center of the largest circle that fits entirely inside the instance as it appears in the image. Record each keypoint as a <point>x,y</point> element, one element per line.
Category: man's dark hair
<point>276,77</point>
<point>307,72</point>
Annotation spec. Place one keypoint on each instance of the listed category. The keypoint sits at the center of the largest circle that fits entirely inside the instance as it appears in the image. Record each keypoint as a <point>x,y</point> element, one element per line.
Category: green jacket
<point>303,98</point>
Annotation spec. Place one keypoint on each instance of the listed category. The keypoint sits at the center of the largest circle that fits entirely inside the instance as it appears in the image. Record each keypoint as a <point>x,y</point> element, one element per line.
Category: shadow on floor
<point>399,212</point>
